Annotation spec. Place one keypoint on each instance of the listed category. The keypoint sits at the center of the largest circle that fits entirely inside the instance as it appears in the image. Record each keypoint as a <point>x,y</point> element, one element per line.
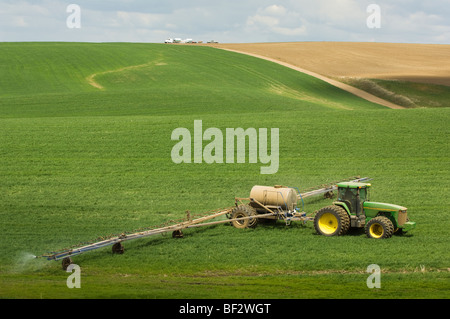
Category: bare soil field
<point>425,63</point>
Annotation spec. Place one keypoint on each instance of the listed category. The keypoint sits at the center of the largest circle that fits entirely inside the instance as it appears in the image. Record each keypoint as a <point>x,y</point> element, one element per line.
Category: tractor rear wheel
<point>332,221</point>
<point>379,227</point>
<point>243,211</point>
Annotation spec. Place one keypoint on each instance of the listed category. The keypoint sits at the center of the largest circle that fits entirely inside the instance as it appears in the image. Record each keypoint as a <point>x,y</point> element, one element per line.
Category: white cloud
<point>139,19</point>
<point>276,20</point>
<point>414,24</point>
<point>341,12</point>
<point>264,21</point>
<point>275,10</point>
<point>18,21</point>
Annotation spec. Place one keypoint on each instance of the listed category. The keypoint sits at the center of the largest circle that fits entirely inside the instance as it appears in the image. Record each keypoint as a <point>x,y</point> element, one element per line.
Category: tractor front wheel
<point>332,221</point>
<point>379,228</point>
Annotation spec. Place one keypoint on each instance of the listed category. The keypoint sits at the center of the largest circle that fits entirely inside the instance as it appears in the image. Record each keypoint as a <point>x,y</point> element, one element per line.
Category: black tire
<point>332,221</point>
<point>118,248</point>
<point>177,234</point>
<point>244,211</point>
<point>379,228</point>
<point>66,262</point>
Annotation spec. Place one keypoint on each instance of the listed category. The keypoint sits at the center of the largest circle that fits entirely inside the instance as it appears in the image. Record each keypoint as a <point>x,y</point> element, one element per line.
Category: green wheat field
<point>85,151</point>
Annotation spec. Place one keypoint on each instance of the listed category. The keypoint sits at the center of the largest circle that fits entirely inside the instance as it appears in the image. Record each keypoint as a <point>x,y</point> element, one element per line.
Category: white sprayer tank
<point>285,197</point>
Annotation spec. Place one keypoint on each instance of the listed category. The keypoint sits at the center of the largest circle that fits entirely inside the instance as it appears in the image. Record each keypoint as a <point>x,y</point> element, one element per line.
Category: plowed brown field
<point>427,63</point>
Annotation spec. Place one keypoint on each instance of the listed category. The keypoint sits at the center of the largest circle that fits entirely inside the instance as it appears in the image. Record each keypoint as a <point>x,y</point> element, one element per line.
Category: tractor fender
<point>343,205</point>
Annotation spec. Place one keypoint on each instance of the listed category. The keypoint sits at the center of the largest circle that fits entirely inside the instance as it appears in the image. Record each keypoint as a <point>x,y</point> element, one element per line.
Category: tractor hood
<point>383,207</point>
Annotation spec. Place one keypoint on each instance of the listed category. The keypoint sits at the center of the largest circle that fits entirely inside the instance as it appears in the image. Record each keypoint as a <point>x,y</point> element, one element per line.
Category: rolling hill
<point>157,79</point>
<point>412,75</point>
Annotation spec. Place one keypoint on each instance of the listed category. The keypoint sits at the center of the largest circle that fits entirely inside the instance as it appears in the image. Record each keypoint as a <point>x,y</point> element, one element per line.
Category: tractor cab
<point>353,195</point>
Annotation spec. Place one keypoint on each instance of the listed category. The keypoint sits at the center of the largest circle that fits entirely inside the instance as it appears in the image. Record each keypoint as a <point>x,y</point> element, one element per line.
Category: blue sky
<point>226,21</point>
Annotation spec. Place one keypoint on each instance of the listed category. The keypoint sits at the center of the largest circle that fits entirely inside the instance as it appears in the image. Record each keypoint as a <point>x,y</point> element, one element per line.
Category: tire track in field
<point>279,88</point>
<point>418,269</point>
<point>91,78</point>
<point>360,93</point>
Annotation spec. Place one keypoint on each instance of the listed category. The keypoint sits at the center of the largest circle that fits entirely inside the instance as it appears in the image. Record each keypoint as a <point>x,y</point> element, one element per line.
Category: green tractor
<point>353,209</point>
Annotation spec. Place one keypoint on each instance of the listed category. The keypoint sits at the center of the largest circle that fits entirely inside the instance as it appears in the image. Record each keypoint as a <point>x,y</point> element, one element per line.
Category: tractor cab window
<point>347,194</point>
<point>364,194</point>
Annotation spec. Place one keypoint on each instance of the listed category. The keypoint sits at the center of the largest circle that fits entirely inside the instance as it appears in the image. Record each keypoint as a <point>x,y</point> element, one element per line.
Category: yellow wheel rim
<point>328,223</point>
<point>376,230</point>
<point>241,222</point>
